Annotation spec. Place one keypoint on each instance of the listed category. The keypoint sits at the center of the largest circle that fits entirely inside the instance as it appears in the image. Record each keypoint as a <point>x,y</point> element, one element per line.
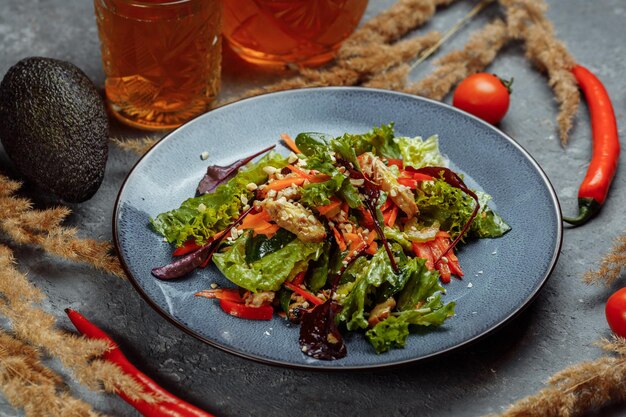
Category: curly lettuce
<point>419,153</point>
<point>199,218</point>
<point>451,208</point>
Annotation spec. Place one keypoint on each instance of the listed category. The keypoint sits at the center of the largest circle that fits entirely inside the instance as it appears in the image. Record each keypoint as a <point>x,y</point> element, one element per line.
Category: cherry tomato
<point>616,312</point>
<point>483,95</point>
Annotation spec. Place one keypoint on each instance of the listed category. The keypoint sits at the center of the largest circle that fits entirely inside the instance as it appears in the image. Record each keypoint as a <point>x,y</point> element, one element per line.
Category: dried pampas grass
<point>36,327</point>
<point>137,145</point>
<point>579,388</point>
<point>42,228</point>
<point>611,266</point>
<point>480,51</point>
<point>29,385</point>
<point>526,20</point>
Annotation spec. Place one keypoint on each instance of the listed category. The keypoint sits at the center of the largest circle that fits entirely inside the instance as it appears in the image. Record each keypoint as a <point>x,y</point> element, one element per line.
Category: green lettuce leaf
<point>269,272</point>
<point>319,193</point>
<point>419,153</point>
<point>451,208</point>
<point>372,275</point>
<point>200,217</point>
<point>421,285</point>
<point>392,332</point>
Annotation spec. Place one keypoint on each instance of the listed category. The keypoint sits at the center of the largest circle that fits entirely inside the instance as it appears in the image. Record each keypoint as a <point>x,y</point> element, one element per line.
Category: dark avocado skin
<point>54,127</point>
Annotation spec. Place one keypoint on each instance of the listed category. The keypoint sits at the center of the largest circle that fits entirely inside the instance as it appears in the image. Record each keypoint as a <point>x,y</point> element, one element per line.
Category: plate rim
<point>264,360</point>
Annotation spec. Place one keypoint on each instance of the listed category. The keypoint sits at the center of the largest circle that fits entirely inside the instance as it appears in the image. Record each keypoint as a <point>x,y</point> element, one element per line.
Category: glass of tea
<point>280,32</point>
<point>162,59</point>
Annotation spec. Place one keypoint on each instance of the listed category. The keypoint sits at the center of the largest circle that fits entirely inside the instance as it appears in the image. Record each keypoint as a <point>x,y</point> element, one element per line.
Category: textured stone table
<point>557,330</point>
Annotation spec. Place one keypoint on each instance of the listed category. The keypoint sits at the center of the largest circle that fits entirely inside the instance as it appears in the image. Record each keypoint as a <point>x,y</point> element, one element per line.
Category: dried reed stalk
<point>481,49</point>
<point>36,327</point>
<point>611,265</point>
<point>137,145</point>
<point>526,20</point>
<point>579,388</point>
<point>27,384</point>
<point>390,25</point>
<point>42,228</point>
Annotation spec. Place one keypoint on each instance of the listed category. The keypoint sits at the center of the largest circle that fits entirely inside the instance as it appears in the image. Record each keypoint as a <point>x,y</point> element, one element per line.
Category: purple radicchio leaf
<point>200,257</point>
<point>320,337</point>
<point>216,174</point>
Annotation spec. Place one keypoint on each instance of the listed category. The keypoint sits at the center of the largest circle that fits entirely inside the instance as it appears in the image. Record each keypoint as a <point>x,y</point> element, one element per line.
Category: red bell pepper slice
<point>299,278</point>
<point>397,162</point>
<point>188,246</point>
<point>243,311</point>
<point>304,293</point>
<point>422,250</point>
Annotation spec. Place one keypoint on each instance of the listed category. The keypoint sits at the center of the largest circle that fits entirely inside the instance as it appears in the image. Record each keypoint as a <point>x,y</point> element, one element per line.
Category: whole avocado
<point>54,127</point>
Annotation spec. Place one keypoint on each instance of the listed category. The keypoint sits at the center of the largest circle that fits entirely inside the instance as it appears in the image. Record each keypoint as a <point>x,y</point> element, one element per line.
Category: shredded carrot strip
<point>268,229</point>
<point>371,237</point>
<point>291,144</point>
<point>334,204</point>
<point>300,172</point>
<point>253,220</point>
<point>372,248</point>
<point>284,183</point>
<point>393,216</point>
<point>339,239</point>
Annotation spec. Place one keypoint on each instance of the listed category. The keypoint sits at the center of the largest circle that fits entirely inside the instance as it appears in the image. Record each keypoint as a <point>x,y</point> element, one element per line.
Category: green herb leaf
<point>259,246</point>
<point>269,272</point>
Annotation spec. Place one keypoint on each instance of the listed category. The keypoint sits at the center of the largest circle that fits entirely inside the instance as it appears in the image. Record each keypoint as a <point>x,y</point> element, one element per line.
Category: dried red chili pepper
<point>168,406</point>
<point>605,153</point>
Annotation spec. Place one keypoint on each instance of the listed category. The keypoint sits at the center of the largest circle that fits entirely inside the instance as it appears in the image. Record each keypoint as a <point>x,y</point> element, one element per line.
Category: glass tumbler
<point>162,59</point>
<point>275,33</point>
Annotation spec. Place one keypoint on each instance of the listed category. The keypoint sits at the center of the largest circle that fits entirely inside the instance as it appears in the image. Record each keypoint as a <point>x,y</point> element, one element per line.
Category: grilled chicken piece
<point>381,311</point>
<point>295,218</point>
<point>379,172</point>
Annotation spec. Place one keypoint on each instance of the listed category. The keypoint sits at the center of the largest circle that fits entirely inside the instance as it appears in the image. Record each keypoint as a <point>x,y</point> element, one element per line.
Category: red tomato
<point>483,95</point>
<point>616,312</point>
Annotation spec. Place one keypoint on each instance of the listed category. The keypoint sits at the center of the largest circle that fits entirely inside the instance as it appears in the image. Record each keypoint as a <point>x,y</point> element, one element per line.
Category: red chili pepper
<point>188,246</point>
<point>243,311</point>
<point>169,406</point>
<point>605,153</point>
<point>304,293</point>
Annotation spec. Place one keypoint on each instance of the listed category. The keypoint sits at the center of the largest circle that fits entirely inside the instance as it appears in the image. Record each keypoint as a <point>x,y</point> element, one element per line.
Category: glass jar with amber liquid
<point>161,58</point>
<point>282,32</point>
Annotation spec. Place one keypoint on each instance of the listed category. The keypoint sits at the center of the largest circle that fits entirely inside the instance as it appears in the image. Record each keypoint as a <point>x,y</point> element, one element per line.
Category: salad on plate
<point>349,233</point>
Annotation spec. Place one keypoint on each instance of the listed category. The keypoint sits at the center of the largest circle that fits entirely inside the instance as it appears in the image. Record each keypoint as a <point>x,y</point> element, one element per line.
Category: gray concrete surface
<point>557,330</point>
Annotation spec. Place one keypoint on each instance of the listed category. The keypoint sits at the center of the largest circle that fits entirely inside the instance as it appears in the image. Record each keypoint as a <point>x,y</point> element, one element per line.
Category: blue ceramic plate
<point>502,276</point>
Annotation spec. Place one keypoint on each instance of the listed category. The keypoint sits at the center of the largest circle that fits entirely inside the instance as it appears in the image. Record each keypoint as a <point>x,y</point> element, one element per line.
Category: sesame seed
<point>204,155</point>
<point>214,285</point>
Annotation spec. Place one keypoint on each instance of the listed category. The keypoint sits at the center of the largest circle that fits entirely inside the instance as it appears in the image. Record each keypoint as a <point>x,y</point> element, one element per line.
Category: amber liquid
<point>279,32</point>
<point>161,58</point>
